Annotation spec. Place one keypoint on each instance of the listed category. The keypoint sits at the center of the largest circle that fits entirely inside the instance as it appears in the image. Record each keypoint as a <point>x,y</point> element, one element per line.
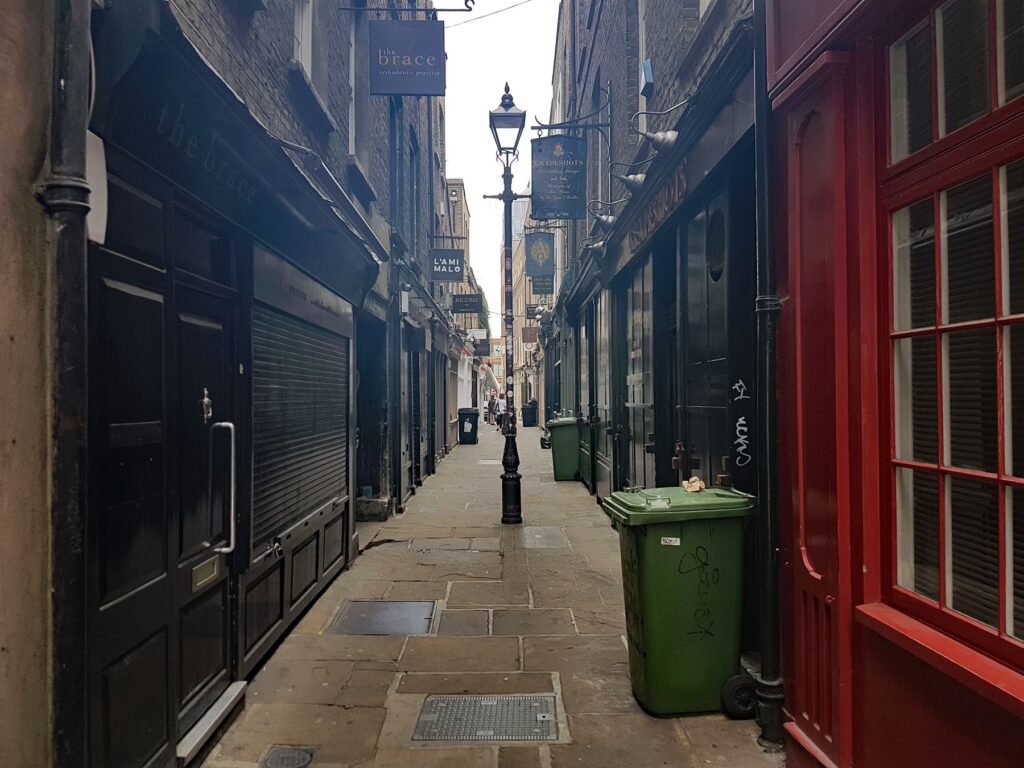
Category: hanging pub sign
<point>407,58</point>
<point>544,286</point>
<point>559,178</point>
<point>447,264</point>
<point>467,303</point>
<point>529,334</point>
<point>540,254</point>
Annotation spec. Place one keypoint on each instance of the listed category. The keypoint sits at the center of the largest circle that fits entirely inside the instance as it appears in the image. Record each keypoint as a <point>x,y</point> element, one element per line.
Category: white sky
<point>517,46</point>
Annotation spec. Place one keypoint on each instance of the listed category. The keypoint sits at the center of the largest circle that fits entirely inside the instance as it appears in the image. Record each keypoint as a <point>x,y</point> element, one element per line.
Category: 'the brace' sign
<point>407,58</point>
<point>447,264</point>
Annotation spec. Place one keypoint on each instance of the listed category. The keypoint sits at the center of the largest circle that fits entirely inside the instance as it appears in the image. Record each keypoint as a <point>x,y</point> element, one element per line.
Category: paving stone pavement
<point>536,609</point>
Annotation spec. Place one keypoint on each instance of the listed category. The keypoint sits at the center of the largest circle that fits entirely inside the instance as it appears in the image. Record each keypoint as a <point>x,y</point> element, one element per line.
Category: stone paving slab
<point>464,623</point>
<point>302,646</point>
<point>488,594</point>
<point>301,681</point>
<point>498,683</point>
<point>340,735</point>
<point>533,621</point>
<point>460,654</point>
<point>417,590</point>
<point>617,741</point>
<point>519,757</point>
<point>525,610</point>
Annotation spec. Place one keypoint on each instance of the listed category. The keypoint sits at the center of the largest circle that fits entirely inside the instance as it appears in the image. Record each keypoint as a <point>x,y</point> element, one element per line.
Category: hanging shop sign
<point>481,350</point>
<point>543,286</point>
<point>532,310</point>
<point>467,303</point>
<point>407,58</point>
<point>529,334</point>
<point>447,264</point>
<point>559,178</point>
<point>540,254</point>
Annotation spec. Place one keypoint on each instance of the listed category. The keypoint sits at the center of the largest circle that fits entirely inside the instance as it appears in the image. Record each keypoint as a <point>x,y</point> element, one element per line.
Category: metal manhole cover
<point>287,757</point>
<point>383,617</point>
<point>487,718</point>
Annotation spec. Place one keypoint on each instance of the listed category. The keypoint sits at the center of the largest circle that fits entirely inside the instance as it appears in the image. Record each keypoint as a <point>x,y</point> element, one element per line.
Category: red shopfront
<point>899,200</point>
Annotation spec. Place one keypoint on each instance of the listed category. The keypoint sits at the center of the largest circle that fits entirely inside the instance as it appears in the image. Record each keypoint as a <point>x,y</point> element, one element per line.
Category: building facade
<point>225,303</point>
<point>652,339</point>
<point>895,187</point>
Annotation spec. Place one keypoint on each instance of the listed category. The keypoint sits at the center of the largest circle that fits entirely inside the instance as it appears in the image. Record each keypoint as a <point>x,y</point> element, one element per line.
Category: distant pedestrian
<point>492,407</point>
<point>502,409</point>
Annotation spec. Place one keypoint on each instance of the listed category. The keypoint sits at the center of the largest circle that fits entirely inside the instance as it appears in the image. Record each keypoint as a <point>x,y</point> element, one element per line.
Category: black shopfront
<point>221,426</point>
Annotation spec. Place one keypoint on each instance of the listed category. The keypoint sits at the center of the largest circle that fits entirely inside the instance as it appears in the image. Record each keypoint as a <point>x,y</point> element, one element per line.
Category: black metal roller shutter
<point>300,421</point>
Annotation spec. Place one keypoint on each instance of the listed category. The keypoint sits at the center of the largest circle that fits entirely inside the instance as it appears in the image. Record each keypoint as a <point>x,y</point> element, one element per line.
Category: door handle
<point>233,524</point>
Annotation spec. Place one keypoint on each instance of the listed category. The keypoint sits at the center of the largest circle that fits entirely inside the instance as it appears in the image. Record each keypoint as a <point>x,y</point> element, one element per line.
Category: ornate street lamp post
<point>507,124</point>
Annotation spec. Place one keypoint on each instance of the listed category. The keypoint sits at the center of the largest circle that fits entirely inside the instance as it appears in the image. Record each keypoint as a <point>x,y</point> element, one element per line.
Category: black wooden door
<point>407,474</point>
<point>586,399</point>
<point>204,538</point>
<point>607,431</point>
<point>416,417</point>
<point>158,594</point>
<point>706,362</point>
<point>639,437</point>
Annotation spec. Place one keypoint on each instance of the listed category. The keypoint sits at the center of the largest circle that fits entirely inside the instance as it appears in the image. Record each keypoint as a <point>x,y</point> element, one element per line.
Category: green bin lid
<point>669,505</point>
<point>563,421</point>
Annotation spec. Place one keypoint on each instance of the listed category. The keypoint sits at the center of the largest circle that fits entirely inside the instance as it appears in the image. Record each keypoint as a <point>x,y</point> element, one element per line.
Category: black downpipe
<point>65,196</point>
<point>769,683</point>
<point>395,384</point>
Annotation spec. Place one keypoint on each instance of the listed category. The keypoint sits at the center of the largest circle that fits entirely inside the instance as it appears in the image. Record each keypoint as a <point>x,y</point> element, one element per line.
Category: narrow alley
<point>743,280</point>
<point>536,609</point>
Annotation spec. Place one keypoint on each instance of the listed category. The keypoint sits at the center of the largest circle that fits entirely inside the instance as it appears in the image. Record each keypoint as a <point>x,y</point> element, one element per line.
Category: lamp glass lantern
<point>507,124</point>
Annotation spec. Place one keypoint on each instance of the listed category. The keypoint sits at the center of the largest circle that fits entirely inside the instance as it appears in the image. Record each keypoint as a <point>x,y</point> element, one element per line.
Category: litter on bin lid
<point>694,485</point>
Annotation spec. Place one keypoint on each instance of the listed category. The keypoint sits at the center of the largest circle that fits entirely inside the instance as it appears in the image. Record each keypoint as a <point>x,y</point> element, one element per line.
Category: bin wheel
<point>738,697</point>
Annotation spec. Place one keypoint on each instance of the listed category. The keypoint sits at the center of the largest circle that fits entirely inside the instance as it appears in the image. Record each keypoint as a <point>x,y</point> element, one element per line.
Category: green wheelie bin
<point>565,448</point>
<point>682,571</point>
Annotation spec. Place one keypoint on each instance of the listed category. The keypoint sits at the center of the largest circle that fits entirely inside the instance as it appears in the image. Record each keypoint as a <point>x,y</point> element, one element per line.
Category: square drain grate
<point>487,718</point>
<point>383,617</point>
<point>288,757</point>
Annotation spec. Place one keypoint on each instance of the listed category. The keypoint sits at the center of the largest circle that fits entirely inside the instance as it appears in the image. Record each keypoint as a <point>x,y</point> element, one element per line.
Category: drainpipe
<point>394,337</point>
<point>769,682</point>
<point>65,196</point>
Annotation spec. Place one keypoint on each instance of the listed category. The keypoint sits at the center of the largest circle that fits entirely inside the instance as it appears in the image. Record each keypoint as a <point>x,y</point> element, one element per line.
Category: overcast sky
<point>516,46</point>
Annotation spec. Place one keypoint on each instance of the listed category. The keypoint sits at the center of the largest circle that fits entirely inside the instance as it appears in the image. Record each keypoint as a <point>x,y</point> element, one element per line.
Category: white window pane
<point>1015,562</point>
<point>968,242</point>
<point>972,432</point>
<point>304,34</point>
<point>962,31</point>
<point>917,531</point>
<point>916,378</point>
<point>914,266</point>
<point>910,74</point>
<point>1011,40</point>
<point>1012,195</point>
<point>974,549</point>
<point>1013,398</point>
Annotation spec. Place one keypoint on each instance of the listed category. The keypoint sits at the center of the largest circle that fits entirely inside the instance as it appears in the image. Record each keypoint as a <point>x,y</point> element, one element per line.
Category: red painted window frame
<point>980,148</point>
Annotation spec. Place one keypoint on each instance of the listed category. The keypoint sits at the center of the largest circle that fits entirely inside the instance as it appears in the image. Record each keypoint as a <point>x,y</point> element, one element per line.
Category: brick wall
<point>253,52</point>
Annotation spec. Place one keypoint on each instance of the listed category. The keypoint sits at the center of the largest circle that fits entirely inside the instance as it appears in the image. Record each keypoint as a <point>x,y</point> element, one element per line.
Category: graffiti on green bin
<point>698,564</point>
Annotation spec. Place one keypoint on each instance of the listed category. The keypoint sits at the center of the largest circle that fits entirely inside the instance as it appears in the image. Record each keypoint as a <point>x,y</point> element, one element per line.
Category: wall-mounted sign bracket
<point>428,11</point>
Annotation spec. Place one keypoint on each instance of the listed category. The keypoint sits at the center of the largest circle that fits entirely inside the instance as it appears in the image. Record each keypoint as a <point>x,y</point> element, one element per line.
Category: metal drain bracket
<point>487,718</point>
